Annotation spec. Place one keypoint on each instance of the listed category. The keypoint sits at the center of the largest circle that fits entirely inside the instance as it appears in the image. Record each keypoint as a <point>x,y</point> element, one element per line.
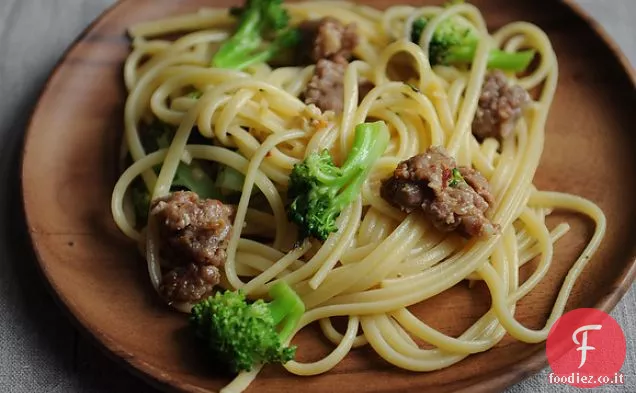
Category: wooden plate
<point>69,170</point>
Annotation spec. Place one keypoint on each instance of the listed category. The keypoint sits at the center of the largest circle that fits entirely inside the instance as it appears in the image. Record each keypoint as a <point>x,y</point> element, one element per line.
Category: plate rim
<point>158,378</point>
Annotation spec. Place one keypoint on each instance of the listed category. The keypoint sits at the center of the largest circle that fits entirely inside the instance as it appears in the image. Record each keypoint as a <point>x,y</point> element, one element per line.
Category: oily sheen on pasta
<point>380,260</point>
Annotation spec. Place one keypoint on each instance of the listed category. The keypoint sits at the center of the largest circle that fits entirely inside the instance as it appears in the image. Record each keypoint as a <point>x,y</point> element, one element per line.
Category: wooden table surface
<point>40,350</point>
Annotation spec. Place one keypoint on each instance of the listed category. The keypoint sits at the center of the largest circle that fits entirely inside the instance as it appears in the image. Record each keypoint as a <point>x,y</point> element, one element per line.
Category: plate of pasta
<point>264,195</point>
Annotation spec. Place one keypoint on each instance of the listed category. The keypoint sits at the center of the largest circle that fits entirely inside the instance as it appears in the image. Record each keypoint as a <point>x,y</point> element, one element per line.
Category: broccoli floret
<point>229,180</point>
<point>140,200</point>
<point>320,190</point>
<point>263,32</point>
<point>156,135</point>
<point>456,43</point>
<point>240,334</point>
<point>192,177</point>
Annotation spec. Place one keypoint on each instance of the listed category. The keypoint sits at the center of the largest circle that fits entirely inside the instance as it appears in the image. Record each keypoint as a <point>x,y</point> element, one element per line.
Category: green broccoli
<point>320,190</point>
<point>195,94</point>
<point>456,43</point>
<point>240,334</point>
<point>456,178</point>
<point>263,32</point>
<point>191,177</point>
<point>230,181</point>
<point>140,200</point>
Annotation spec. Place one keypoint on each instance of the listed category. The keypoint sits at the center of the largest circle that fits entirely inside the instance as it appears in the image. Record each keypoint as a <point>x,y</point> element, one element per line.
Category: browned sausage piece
<point>189,283</point>
<point>326,87</point>
<point>330,44</point>
<point>193,235</point>
<point>500,107</point>
<point>451,197</point>
<point>328,38</point>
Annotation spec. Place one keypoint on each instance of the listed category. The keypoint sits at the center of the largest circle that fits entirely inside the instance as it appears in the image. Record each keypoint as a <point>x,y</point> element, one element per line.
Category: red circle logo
<point>586,348</point>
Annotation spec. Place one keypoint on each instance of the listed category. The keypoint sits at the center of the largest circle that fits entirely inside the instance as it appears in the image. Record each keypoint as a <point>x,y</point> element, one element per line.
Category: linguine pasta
<point>380,261</point>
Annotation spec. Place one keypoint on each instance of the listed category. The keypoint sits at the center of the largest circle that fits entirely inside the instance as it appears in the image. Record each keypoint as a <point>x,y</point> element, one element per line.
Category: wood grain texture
<point>98,257</point>
<point>41,350</point>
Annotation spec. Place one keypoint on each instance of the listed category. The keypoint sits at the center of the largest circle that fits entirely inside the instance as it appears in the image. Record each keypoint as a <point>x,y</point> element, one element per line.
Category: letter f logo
<point>583,344</point>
